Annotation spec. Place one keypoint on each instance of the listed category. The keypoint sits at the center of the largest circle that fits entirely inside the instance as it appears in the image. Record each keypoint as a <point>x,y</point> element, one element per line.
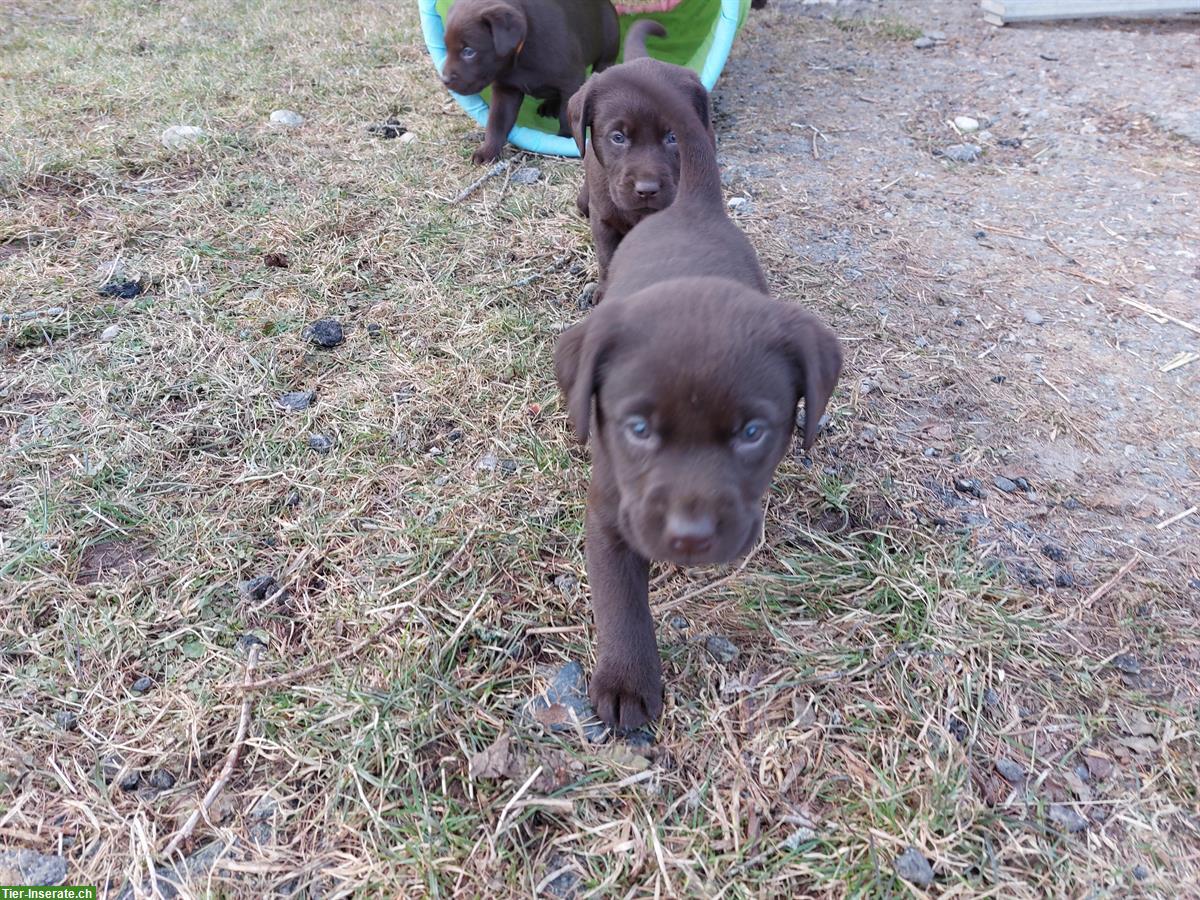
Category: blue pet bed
<point>700,34</point>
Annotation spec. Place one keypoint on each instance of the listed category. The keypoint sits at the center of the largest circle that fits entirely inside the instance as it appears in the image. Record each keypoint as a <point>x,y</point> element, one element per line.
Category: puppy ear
<point>575,371</point>
<point>817,358</point>
<point>579,113</point>
<point>695,91</point>
<point>508,28</point>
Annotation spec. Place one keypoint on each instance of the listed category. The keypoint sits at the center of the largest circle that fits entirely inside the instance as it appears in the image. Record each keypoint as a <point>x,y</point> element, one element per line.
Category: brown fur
<point>686,380</point>
<point>627,181</point>
<point>537,47</point>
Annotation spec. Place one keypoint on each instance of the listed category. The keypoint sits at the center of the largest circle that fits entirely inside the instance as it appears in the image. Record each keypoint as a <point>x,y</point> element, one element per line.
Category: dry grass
<point>885,665</point>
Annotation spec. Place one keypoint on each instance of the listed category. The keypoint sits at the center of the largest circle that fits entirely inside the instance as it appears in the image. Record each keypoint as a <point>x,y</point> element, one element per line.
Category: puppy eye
<point>752,434</point>
<point>617,137</point>
<point>638,428</point>
<point>467,53</point>
<point>670,139</point>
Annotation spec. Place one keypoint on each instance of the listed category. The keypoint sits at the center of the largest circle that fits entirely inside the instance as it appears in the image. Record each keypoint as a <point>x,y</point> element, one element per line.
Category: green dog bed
<point>700,35</point>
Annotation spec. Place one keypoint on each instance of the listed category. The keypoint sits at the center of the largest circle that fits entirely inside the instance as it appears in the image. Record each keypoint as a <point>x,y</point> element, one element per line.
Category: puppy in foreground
<point>632,165</point>
<point>687,380</point>
<point>537,47</point>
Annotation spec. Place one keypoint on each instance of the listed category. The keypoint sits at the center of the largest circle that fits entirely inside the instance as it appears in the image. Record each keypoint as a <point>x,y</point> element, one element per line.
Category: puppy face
<point>630,138</point>
<point>483,38</point>
<point>695,384</point>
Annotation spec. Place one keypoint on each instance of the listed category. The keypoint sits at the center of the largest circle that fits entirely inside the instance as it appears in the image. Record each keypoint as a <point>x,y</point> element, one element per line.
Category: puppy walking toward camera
<point>687,380</point>
<point>537,47</point>
<point>631,166</point>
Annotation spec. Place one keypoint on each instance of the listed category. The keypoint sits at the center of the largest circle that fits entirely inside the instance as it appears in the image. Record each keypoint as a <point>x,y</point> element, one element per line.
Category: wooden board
<point>1001,12</point>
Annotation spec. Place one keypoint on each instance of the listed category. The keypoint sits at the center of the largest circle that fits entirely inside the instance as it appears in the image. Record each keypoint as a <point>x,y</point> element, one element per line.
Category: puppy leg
<point>584,198</point>
<point>606,238</point>
<point>566,89</point>
<point>549,108</point>
<point>502,115</point>
<point>626,688</point>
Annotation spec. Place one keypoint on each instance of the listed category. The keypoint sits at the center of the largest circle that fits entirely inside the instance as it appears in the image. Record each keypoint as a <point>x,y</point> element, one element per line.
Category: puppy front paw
<point>627,691</point>
<point>485,154</point>
<point>548,109</point>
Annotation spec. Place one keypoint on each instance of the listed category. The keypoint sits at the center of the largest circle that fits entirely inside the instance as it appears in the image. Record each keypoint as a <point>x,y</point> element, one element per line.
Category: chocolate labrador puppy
<point>687,380</point>
<point>536,47</point>
<point>632,163</point>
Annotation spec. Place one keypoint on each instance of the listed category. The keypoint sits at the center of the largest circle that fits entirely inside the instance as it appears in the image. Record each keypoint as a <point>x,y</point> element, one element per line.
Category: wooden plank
<point>1001,12</point>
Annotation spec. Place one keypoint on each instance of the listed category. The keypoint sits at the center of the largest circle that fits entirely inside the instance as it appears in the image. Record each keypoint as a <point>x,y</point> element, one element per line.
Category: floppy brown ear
<point>695,91</point>
<point>579,113</point>
<point>574,369</point>
<point>508,28</point>
<point>817,357</point>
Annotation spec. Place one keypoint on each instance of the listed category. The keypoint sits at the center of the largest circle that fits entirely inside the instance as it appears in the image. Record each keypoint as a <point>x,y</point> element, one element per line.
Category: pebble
<point>374,331</point>
<point>161,780</point>
<point>924,43</point>
<point>568,688</point>
<point>736,203</point>
<point>1011,771</point>
<point>387,130</point>
<point>1033,317</point>
<point>287,118</point>
<point>1050,551</point>
<point>129,782</point>
<point>1011,142</point>
<point>487,462</point>
<point>566,583</point>
<point>1064,580</point>
<point>938,36</point>
<point>586,295</point>
<point>966,124</point>
<point>325,333</point>
<point>259,588</point>
<point>991,697</point>
<point>969,486</point>
<point>110,333</point>
<point>124,288</point>
<point>798,838</point>
<point>957,728</point>
<point>321,443</point>
<point>1007,485</point>
<point>721,648</point>
<point>142,685</point>
<point>66,720</point>
<point>1140,872</point>
<point>31,869</point>
<point>408,137</point>
<point>296,400</point>
<point>911,865</point>
<point>526,175</point>
<point>1082,772</point>
<point>178,136</point>
<point>1066,818</point>
<point>276,260</point>
<point>963,153</point>
<point>1127,663</point>
<point>678,622</point>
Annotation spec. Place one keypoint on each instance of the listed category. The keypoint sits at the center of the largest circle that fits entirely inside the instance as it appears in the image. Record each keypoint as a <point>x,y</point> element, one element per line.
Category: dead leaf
<point>497,761</point>
<point>1142,745</point>
<point>1134,722</point>
<point>554,714</point>
<point>623,757</point>
<point>1075,783</point>
<point>1099,766</point>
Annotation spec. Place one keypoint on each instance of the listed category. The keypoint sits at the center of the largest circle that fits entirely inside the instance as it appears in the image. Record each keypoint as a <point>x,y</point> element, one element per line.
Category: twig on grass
<point>231,759</point>
<point>1155,311</point>
<point>479,182</point>
<point>1112,582</point>
<point>356,648</point>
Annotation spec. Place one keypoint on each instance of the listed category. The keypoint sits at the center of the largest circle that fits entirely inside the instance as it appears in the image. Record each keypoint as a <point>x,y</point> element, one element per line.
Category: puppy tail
<point>635,38</point>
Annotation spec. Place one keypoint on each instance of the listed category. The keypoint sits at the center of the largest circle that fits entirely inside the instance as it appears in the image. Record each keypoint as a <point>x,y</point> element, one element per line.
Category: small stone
<point>161,780</point>
<point>1066,818</point>
<point>1064,579</point>
<point>122,288</point>
<point>1050,551</point>
<point>1140,872</point>
<point>387,130</point>
<point>964,153</point>
<point>129,782</point>
<point>408,137</point>
<point>566,583</point>
<point>1033,317</point>
<point>1127,663</point>
<point>259,588</point>
<point>276,260</point>
<point>31,869</point>
<point>798,838</point>
<point>969,486</point>
<point>924,43</point>
<point>296,400</point>
<point>921,342</point>
<point>586,295</point>
<point>1010,142</point>
<point>487,462</point>
<point>1012,772</point>
<point>567,694</point>
<point>320,443</point>
<point>374,331</point>
<point>110,333</point>
<point>141,685</point>
<point>957,728</point>
<point>966,124</point>
<point>178,136</point>
<point>1004,484</point>
<point>999,379</point>
<point>66,720</point>
<point>938,36</point>
<point>526,175</point>
<point>721,648</point>
<point>991,697</point>
<point>911,865</point>
<point>325,333</point>
<point>287,118</point>
<point>679,623</point>
<point>508,467</point>
<point>736,203</point>
<point>1082,773</point>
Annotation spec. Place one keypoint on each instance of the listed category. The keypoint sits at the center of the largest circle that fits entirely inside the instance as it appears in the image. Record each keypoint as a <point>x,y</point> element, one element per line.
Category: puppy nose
<point>690,535</point>
<point>646,189</point>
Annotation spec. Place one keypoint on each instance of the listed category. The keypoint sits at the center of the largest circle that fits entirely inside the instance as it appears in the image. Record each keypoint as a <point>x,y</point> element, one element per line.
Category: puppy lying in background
<point>632,165</point>
<point>536,47</point>
<point>687,380</point>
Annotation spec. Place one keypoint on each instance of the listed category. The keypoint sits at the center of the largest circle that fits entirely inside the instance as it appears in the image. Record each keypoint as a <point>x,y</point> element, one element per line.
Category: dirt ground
<point>965,660</point>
